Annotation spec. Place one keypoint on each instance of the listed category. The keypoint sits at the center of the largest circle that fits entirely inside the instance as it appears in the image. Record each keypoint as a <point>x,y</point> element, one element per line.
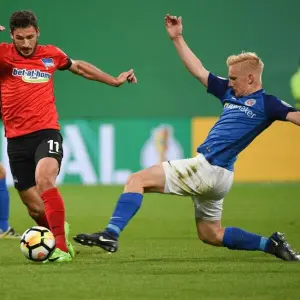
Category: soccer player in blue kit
<point>207,178</point>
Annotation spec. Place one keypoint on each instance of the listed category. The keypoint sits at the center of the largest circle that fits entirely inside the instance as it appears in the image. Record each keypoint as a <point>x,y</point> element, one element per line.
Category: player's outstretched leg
<point>239,239</point>
<point>151,179</point>
<point>127,206</point>
<point>235,238</point>
<point>278,246</point>
<point>6,232</point>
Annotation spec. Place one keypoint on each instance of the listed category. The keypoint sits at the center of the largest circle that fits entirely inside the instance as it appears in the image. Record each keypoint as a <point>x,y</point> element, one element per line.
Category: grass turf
<point>160,256</point>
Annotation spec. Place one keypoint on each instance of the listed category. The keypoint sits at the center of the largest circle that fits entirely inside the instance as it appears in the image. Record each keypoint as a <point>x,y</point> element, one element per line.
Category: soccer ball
<point>37,243</point>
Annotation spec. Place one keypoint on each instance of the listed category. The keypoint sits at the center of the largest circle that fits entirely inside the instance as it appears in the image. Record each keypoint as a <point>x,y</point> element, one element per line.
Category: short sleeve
<point>63,61</point>
<point>217,86</point>
<point>276,109</point>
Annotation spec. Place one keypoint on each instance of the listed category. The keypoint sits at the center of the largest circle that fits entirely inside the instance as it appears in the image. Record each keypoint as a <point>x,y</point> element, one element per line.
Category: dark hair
<point>23,19</point>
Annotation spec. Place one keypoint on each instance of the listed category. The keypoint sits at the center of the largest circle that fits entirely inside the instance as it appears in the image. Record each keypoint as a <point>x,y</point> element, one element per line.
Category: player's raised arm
<point>91,72</point>
<point>294,117</point>
<point>193,64</point>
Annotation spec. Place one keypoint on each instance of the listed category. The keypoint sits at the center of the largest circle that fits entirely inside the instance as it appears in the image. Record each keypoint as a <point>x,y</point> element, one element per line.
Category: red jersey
<point>27,92</point>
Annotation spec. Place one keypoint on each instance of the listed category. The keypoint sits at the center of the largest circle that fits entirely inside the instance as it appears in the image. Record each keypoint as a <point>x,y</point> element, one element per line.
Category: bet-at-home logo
<point>32,76</point>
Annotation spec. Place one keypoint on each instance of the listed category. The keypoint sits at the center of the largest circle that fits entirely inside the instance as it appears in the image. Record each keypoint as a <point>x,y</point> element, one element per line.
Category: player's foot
<point>59,256</point>
<point>10,233</point>
<point>69,245</point>
<point>100,239</point>
<point>278,246</point>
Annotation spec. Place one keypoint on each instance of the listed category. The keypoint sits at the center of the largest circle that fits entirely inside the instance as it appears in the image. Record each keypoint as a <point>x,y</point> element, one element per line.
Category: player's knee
<point>44,183</point>
<point>206,239</point>
<point>210,239</point>
<point>134,180</point>
<point>45,174</point>
<point>2,172</point>
<point>211,236</point>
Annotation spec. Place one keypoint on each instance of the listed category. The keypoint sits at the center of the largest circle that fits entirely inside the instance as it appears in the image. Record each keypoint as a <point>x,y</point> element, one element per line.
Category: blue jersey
<point>242,120</point>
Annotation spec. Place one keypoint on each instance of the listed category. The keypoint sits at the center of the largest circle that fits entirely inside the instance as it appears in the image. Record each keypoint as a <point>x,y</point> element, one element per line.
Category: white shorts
<point>207,184</point>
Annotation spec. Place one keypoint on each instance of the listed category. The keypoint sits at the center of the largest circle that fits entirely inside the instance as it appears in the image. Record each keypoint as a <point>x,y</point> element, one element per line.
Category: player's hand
<point>131,78</point>
<point>2,28</point>
<point>127,76</point>
<point>173,26</point>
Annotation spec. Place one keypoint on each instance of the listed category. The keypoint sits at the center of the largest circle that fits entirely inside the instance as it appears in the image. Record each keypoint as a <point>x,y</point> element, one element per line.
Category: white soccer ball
<point>37,243</point>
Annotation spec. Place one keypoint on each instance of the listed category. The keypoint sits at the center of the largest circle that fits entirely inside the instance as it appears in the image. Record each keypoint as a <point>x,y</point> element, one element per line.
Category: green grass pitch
<point>160,256</point>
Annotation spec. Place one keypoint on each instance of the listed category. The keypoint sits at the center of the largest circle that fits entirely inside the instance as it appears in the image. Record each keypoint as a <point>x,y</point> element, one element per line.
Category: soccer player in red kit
<point>31,121</point>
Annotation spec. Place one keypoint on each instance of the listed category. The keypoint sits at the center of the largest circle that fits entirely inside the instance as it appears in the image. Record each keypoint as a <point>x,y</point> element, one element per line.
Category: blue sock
<point>4,205</point>
<point>239,239</point>
<point>126,208</point>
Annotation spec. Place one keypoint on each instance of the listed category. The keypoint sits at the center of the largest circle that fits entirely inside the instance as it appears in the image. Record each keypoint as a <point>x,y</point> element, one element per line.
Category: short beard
<point>23,54</point>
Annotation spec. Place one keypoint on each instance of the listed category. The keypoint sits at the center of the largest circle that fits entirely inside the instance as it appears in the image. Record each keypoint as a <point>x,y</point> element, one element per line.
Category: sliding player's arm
<point>190,60</point>
<point>215,85</point>
<point>294,117</point>
<point>91,72</point>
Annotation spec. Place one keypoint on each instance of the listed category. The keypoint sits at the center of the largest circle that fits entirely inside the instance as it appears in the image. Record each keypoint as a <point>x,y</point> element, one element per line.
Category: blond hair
<point>248,59</point>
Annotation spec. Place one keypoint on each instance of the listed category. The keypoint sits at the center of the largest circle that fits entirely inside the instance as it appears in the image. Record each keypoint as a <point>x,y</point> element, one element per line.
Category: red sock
<point>42,221</point>
<point>55,213</point>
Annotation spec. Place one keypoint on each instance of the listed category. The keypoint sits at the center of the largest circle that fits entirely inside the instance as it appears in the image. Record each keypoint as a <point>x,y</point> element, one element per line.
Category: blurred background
<point>112,132</point>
